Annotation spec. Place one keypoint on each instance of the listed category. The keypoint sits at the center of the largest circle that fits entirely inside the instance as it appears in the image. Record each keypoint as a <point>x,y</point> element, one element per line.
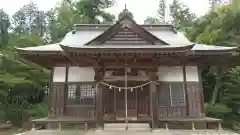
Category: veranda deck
<point>166,121</point>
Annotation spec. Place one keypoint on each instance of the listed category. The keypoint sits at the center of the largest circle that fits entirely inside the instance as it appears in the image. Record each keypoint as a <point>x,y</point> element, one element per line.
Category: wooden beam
<point>77,62</point>
<point>130,78</point>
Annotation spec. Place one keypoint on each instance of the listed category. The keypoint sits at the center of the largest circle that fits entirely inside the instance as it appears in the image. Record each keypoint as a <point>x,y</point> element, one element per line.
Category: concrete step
<point>124,130</point>
<point>123,125</point>
<point>111,127</point>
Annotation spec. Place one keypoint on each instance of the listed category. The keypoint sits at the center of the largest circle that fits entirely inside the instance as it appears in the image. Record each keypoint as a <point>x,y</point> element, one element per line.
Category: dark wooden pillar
<point>50,93</point>
<point>186,90</point>
<point>99,103</point>
<point>201,90</point>
<point>65,90</point>
<point>153,98</point>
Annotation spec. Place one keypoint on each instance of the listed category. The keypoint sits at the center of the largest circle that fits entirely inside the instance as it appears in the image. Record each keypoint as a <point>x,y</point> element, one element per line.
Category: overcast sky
<point>140,8</point>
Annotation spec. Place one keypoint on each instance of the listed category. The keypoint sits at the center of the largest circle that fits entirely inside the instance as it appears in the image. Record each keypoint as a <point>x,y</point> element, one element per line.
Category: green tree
<point>61,19</point>
<point>181,16</point>
<point>213,3</point>
<point>22,83</point>
<point>161,14</point>
<point>221,27</point>
<point>162,11</point>
<point>4,27</point>
<point>152,20</point>
<point>28,20</point>
<point>93,11</point>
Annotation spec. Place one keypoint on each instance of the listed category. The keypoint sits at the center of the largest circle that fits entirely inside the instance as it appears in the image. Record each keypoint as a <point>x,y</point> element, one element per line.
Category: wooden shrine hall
<point>126,73</point>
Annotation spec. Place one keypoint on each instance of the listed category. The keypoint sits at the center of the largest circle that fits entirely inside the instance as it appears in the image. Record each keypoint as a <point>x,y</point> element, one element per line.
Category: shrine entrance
<point>117,106</point>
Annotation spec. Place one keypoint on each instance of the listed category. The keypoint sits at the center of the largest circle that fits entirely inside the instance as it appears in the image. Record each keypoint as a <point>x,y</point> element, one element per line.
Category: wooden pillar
<point>99,106</point>
<point>186,91</point>
<point>65,91</point>
<point>60,126</point>
<point>201,90</point>
<point>33,126</point>
<point>219,125</point>
<point>153,99</point>
<point>193,125</point>
<point>166,125</point>
<point>50,93</point>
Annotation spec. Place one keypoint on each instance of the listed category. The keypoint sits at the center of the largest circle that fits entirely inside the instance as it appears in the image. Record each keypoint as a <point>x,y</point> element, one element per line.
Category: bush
<point>37,110</point>
<point>217,110</point>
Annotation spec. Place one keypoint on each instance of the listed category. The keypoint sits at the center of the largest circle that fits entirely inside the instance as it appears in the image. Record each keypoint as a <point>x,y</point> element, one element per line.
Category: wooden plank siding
<point>60,107</point>
<point>83,111</point>
<point>194,99</point>
<point>194,102</point>
<point>57,100</point>
<point>171,111</point>
<point>80,100</point>
<point>57,104</point>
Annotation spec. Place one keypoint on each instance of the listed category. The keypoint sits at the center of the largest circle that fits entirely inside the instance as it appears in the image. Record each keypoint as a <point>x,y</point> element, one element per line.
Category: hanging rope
<point>134,87</point>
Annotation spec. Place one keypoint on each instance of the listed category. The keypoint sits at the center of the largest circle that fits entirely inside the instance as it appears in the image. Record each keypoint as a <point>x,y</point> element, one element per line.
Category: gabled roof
<point>124,34</point>
<point>85,33</point>
<point>126,23</point>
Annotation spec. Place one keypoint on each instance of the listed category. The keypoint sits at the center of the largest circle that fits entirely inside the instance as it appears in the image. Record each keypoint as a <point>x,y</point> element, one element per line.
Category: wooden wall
<point>56,97</point>
<point>193,107</point>
<point>195,101</point>
<point>58,103</point>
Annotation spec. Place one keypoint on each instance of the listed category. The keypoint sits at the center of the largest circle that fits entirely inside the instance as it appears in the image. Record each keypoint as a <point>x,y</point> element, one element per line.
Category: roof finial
<point>125,12</point>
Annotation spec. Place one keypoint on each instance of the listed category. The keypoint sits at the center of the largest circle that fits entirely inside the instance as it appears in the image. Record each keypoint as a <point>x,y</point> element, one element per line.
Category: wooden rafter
<point>77,62</point>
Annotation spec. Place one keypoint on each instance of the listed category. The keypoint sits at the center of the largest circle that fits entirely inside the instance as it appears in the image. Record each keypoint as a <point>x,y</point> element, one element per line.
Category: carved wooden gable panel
<point>126,36</point>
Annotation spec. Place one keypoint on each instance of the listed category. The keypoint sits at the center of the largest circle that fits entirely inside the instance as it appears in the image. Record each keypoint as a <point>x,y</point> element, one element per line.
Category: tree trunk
<point>219,75</point>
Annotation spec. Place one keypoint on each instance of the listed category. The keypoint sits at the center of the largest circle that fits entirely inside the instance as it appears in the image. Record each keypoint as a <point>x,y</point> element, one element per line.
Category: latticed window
<point>72,91</point>
<point>164,95</point>
<point>81,94</point>
<point>171,94</point>
<point>177,94</point>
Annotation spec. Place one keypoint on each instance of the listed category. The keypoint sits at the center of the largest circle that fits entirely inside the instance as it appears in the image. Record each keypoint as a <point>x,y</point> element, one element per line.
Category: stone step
<point>123,125</point>
<point>113,127</point>
<point>129,129</point>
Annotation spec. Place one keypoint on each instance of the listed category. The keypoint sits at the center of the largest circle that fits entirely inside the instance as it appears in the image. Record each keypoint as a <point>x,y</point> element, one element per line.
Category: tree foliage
<point>152,20</point>
<point>23,83</point>
<point>161,14</point>
<point>181,16</point>
<point>220,27</point>
<point>4,27</point>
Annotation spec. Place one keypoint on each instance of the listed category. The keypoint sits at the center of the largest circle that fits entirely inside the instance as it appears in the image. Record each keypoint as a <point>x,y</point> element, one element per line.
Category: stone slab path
<point>155,132</point>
